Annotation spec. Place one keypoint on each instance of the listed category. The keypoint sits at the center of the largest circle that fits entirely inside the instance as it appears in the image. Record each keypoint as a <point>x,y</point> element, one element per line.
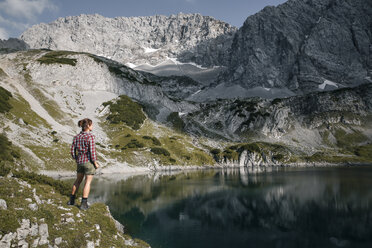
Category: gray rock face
<point>138,39</point>
<point>3,205</point>
<point>13,44</point>
<point>301,44</point>
<point>239,119</point>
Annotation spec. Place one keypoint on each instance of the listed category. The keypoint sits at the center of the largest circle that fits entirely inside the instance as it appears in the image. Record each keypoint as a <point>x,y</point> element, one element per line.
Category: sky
<point>18,15</point>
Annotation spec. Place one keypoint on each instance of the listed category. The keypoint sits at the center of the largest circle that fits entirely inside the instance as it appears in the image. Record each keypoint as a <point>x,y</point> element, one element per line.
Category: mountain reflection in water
<point>323,207</point>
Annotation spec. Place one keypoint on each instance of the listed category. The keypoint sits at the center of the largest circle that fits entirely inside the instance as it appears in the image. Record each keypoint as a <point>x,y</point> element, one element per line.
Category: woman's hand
<point>96,165</point>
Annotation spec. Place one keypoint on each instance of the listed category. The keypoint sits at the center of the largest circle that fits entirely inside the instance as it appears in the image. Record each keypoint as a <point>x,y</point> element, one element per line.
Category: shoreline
<point>141,170</point>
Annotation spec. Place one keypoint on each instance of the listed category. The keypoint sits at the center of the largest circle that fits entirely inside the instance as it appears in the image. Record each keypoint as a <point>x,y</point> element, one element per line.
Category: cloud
<point>3,34</point>
<point>26,9</point>
<point>18,15</point>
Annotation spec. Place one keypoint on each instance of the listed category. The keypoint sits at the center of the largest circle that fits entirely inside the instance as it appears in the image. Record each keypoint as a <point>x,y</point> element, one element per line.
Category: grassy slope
<point>55,214</point>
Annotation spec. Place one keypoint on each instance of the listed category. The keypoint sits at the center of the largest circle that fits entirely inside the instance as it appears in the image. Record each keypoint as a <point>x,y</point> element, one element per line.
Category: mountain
<point>304,46</point>
<point>12,44</point>
<point>143,122</point>
<point>138,40</point>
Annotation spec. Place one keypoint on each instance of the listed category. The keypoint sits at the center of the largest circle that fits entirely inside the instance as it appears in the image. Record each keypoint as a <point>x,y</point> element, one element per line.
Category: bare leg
<point>86,190</point>
<point>75,187</point>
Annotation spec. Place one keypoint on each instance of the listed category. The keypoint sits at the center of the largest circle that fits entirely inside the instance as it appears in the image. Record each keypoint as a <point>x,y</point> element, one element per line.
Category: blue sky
<point>17,15</point>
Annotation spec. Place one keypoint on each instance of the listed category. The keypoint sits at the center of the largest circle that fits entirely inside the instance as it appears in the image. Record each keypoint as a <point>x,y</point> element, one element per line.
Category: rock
<point>28,199</point>
<point>34,230</point>
<point>7,239</point>
<point>24,230</point>
<point>3,205</point>
<point>70,220</point>
<point>301,44</point>
<point>58,241</point>
<point>22,244</point>
<point>151,39</point>
<point>36,197</point>
<point>43,232</point>
<point>90,244</point>
<point>36,242</point>
<point>33,206</point>
<point>13,44</point>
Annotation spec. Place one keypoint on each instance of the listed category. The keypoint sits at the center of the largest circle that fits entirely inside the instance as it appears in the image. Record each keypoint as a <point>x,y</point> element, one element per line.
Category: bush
<point>54,57</point>
<point>215,151</point>
<point>4,100</point>
<point>155,141</point>
<point>5,149</point>
<point>127,111</point>
<point>134,144</point>
<point>160,151</point>
<point>33,178</point>
<point>176,121</point>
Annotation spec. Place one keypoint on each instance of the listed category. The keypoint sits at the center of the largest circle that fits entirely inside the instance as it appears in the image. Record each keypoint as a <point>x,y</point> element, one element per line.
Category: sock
<point>72,196</point>
<point>84,200</point>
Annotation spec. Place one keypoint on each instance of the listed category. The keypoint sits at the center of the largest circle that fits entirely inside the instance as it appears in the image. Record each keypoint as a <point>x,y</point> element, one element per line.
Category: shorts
<point>86,168</point>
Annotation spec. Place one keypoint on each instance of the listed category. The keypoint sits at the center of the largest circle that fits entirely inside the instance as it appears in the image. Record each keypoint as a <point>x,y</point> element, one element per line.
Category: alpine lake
<point>233,208</point>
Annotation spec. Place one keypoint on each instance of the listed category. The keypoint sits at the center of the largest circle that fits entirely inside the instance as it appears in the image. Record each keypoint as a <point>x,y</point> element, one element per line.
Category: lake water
<point>316,207</point>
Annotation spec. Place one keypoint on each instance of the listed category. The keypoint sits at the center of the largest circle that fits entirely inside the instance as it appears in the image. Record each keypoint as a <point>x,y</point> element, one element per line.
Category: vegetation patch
<point>2,73</point>
<point>7,152</point>
<point>124,110</point>
<point>177,123</point>
<point>160,151</point>
<point>5,95</point>
<point>57,57</point>
<point>155,141</point>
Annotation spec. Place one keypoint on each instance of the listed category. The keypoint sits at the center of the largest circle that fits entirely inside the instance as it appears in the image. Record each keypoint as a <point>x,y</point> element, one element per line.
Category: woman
<point>83,150</point>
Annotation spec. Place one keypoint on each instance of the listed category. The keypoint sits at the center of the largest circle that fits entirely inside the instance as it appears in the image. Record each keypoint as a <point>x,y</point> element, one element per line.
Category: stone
<point>44,234</point>
<point>28,199</point>
<point>36,197</point>
<point>34,230</point>
<point>58,241</point>
<point>22,244</point>
<point>70,220</point>
<point>36,242</point>
<point>24,230</point>
<point>300,44</point>
<point>90,244</point>
<point>33,206</point>
<point>3,205</point>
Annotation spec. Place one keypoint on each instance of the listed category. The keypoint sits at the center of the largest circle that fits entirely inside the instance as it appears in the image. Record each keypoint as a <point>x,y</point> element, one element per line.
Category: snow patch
<point>327,82</point>
<point>131,65</point>
<point>149,50</point>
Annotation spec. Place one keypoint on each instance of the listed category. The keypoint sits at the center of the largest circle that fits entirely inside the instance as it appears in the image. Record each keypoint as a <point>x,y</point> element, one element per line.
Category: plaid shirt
<point>83,148</point>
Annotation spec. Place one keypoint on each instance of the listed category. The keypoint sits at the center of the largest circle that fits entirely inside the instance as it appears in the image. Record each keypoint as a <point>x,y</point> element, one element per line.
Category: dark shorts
<point>86,168</point>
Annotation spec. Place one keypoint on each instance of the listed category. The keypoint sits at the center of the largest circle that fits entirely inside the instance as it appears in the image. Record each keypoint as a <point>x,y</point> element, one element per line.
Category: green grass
<point>347,140</point>
<point>57,57</point>
<point>180,147</point>
<point>160,151</point>
<point>72,233</point>
<point>5,96</point>
<point>124,110</point>
<point>7,152</point>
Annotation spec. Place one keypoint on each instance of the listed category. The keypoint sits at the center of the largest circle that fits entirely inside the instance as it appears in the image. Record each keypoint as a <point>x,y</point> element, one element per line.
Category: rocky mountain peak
<point>303,43</point>
<point>137,40</point>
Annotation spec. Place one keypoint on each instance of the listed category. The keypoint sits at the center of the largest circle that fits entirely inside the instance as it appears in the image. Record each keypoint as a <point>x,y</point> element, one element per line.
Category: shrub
<point>55,57</point>
<point>134,144</point>
<point>176,121</point>
<point>215,151</point>
<point>155,141</point>
<point>160,151</point>
<point>4,100</point>
<point>5,149</point>
<point>127,111</point>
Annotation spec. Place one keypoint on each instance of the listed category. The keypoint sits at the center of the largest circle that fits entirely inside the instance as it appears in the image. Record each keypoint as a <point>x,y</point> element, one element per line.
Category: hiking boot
<point>84,205</point>
<point>71,202</point>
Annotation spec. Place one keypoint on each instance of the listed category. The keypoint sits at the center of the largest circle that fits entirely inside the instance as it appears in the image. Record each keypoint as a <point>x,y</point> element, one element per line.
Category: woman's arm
<point>92,151</point>
<point>73,148</point>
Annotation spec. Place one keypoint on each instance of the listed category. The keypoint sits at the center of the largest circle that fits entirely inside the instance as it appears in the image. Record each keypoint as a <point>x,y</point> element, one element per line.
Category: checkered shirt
<point>83,148</point>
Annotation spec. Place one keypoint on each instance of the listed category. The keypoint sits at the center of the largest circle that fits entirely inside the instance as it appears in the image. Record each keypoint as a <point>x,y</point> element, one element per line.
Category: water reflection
<point>327,207</point>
